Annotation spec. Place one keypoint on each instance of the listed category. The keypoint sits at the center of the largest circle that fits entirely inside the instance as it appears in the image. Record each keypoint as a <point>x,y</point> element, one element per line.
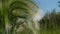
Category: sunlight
<point>38,16</point>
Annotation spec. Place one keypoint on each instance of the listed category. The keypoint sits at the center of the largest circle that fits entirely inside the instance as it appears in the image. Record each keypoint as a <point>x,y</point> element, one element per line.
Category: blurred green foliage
<point>50,23</point>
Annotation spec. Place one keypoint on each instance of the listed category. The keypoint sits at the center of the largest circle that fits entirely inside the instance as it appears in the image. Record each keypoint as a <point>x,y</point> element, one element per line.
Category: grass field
<point>42,31</point>
<point>50,32</point>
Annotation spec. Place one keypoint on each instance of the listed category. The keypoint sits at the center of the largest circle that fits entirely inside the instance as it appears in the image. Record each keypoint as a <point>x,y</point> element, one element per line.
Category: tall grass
<point>13,10</point>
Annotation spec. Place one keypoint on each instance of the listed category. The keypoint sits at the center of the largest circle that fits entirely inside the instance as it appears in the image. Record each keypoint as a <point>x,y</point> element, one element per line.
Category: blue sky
<point>48,4</point>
